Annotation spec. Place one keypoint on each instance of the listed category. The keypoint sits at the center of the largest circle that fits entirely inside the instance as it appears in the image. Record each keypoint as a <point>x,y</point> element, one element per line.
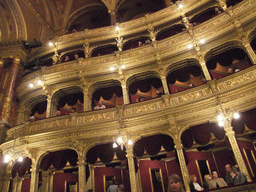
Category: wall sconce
<point>122,141</point>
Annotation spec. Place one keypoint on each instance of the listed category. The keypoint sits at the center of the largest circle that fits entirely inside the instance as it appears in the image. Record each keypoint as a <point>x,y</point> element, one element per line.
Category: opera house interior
<point>131,91</point>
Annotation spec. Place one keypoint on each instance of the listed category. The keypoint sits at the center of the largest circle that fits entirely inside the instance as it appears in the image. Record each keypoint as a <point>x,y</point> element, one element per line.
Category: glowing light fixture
<point>31,85</point>
<point>7,158</point>
<point>202,41</point>
<point>117,28</point>
<point>190,46</point>
<point>39,82</point>
<point>112,68</point>
<point>122,66</point>
<point>180,5</point>
<point>20,159</point>
<point>50,44</point>
<point>236,115</point>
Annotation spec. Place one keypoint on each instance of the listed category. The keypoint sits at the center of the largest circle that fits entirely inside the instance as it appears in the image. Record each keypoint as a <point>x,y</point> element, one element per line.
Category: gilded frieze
<point>243,7</point>
<point>97,117</point>
<point>211,25</point>
<point>238,80</point>
<point>144,108</point>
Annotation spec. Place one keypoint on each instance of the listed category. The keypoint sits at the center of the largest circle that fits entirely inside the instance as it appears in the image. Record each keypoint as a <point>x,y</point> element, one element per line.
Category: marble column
<point>125,94</point>
<point>237,153</point>
<point>250,52</point>
<point>81,173</point>
<point>113,18</point>
<point>34,178</point>
<point>132,174</point>
<point>90,181</point>
<point>165,86</point>
<point>179,148</point>
<point>6,112</point>
<point>87,101</point>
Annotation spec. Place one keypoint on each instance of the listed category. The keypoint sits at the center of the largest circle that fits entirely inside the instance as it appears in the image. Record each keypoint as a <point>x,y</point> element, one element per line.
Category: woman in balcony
<point>175,184</point>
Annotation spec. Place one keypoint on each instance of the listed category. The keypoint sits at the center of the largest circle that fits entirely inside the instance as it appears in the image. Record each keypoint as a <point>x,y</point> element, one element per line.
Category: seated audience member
<point>140,99</point>
<point>230,70</point>
<point>207,179</point>
<point>32,118</point>
<point>193,185</point>
<point>240,177</point>
<point>66,59</point>
<point>121,188</point>
<point>228,178</point>
<point>73,110</point>
<point>191,85</point>
<point>76,56</point>
<point>159,93</point>
<point>147,42</point>
<point>139,43</point>
<point>237,70</point>
<point>175,184</point>
<point>58,113</point>
<point>216,182</point>
<point>99,106</point>
<point>74,31</point>
<point>217,11</point>
<point>113,187</point>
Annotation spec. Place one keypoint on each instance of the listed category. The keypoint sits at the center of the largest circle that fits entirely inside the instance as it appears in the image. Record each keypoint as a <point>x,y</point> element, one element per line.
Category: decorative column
<point>81,173</point>
<point>91,178</point>
<point>125,93</point>
<point>34,178</point>
<point>205,70</point>
<point>132,174</point>
<point>51,182</point>
<point>237,153</point>
<point>6,112</point>
<point>165,86</point>
<point>87,101</point>
<point>178,146</point>
<point>19,184</point>
<point>1,66</point>
<point>51,107</point>
<point>250,52</point>
<point>21,116</point>
<point>222,4</point>
<point>113,18</point>
<point>15,183</point>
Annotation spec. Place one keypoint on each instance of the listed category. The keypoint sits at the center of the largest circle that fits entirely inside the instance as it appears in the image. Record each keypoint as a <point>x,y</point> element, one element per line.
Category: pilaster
<point>250,52</point>
<point>165,86</point>
<point>178,146</point>
<point>34,178</point>
<point>237,153</point>
<point>81,174</point>
<point>125,93</point>
<point>132,174</point>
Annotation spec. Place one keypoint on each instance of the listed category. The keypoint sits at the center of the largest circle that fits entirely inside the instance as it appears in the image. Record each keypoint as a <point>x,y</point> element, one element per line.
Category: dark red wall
<point>249,149</point>
<point>59,181</point>
<point>222,158</point>
<point>144,166</point>
<point>173,168</point>
<point>100,172</point>
<point>192,167</point>
<point>25,185</point>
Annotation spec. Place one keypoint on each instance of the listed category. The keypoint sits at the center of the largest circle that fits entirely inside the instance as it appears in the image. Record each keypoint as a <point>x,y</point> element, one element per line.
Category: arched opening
<point>157,161</point>
<point>109,164</point>
<point>38,111</point>
<point>233,2</point>
<point>107,97</point>
<point>63,166</point>
<point>134,9</point>
<point>96,16</point>
<point>146,89</point>
<point>104,50</point>
<point>170,32</point>
<point>70,103</point>
<point>185,78</point>
<point>227,63</point>
<point>205,15</point>
<point>136,43</point>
